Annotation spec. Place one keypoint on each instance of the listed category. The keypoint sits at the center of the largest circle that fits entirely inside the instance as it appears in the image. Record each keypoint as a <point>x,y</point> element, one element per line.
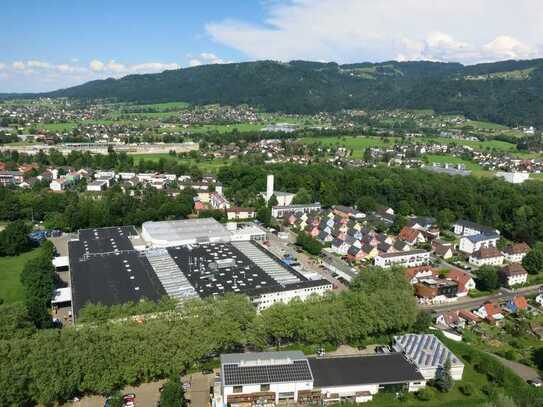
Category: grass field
<point>478,145</point>
<point>10,270</point>
<point>357,144</point>
<point>206,165</point>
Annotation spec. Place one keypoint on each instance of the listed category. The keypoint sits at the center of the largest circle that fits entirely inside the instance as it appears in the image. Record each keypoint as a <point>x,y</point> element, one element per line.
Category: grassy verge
<point>11,289</point>
<point>208,165</point>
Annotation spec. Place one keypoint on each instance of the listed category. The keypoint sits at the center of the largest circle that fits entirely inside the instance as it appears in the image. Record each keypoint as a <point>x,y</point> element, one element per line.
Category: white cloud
<point>18,65</point>
<point>38,64</point>
<point>2,66</point>
<point>505,47</point>
<point>205,58</point>
<point>96,65</point>
<point>360,30</point>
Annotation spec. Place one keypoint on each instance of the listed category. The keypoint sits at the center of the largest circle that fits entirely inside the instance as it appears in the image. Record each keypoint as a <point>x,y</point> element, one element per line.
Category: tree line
<point>516,210</point>
<point>50,365</point>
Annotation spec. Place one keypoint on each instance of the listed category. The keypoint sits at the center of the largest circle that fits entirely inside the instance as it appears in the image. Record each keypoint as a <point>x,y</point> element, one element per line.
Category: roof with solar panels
<point>425,351</point>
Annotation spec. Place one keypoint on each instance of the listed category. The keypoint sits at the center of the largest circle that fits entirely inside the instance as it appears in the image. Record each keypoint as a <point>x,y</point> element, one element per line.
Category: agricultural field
<point>11,289</point>
<point>205,165</point>
<point>357,144</point>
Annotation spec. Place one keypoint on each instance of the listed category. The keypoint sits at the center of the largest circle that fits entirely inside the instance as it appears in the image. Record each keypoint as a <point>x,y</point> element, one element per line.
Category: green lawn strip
<point>203,164</point>
<point>11,289</point>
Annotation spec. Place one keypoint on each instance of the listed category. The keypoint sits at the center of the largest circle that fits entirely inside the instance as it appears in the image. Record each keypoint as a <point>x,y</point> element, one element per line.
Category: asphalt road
<point>280,247</point>
<point>469,303</point>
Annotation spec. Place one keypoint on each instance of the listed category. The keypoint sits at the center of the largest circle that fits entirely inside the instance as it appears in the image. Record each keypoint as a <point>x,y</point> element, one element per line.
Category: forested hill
<point>509,92</point>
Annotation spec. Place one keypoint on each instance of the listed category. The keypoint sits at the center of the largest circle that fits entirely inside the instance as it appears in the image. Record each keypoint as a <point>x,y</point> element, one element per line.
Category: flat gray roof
<point>186,229</point>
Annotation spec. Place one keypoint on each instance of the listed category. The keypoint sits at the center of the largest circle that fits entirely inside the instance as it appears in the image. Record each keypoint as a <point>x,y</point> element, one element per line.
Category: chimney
<point>269,189</point>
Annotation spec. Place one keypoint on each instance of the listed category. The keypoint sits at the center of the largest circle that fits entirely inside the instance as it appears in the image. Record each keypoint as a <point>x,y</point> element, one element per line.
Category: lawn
<point>206,165</point>
<point>10,270</point>
<point>478,145</point>
<point>357,144</point>
<point>449,159</point>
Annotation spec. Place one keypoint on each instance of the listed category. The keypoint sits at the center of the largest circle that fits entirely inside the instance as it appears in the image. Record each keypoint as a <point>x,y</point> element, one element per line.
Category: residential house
<point>472,243</point>
<point>198,205</point>
<point>340,247</point>
<point>489,311</point>
<point>513,274</point>
<point>411,258</point>
<point>514,253</point>
<point>218,201</point>
<point>539,299</point>
<point>443,249</point>
<point>401,246</point>
<point>97,186</point>
<point>436,290</point>
<point>486,256</point>
<point>59,184</point>
<point>411,236</point>
<point>516,304</point>
<point>414,274</point>
<point>450,319</point>
<point>11,178</point>
<point>421,223</point>
<point>240,213</point>
<point>464,280</point>
<point>469,317</point>
<point>466,228</point>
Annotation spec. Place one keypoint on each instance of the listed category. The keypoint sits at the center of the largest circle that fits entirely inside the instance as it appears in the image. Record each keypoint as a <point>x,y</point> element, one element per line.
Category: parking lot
<point>281,247</point>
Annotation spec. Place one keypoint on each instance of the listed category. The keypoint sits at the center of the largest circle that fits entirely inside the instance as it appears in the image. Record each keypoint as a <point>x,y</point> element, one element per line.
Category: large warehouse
<point>292,377</point>
<point>114,266</point>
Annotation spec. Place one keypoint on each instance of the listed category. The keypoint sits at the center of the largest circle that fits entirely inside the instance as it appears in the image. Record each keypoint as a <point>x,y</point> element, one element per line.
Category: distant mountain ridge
<point>509,92</point>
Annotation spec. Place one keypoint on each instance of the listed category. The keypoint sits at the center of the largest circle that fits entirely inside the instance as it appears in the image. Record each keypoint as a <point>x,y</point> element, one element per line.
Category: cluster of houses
<point>490,312</point>
<point>349,234</point>
<point>479,243</point>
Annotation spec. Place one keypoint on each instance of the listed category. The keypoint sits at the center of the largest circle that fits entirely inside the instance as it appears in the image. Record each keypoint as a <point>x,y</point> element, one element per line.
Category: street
<point>281,247</point>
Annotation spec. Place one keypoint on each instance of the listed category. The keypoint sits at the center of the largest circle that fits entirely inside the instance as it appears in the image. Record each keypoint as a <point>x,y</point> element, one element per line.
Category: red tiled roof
<point>460,277</point>
<point>413,271</point>
<point>520,302</point>
<point>408,234</point>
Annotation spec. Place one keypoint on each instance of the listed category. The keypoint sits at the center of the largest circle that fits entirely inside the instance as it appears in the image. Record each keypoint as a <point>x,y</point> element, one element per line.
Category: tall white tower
<point>269,189</point>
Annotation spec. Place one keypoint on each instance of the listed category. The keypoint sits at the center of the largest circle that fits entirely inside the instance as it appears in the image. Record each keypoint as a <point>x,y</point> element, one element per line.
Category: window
<point>238,389</point>
<point>264,387</point>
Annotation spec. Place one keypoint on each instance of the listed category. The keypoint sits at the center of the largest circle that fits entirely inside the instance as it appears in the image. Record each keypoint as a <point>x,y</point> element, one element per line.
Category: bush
<point>466,389</point>
<point>424,394</point>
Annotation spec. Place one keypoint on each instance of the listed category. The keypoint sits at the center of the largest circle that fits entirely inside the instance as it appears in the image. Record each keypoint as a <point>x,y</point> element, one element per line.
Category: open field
<point>478,145</point>
<point>357,144</point>
<point>11,289</point>
<point>206,165</point>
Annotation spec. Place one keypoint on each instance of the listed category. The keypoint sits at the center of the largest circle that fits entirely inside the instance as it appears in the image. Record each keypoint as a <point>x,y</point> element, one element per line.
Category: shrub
<point>424,394</point>
<point>466,389</point>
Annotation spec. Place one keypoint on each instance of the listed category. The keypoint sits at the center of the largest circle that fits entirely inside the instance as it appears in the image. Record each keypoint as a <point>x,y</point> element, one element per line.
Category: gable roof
<point>513,269</point>
<point>461,278</point>
<point>487,253</point>
<point>409,234</point>
<point>517,248</point>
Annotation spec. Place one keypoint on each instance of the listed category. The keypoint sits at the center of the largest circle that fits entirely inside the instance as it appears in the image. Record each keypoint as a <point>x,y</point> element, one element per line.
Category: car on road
<point>534,382</point>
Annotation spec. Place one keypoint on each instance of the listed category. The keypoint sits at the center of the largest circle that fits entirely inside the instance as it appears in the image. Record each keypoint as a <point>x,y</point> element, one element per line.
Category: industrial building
<point>181,259</point>
<point>429,354</point>
<point>251,379</point>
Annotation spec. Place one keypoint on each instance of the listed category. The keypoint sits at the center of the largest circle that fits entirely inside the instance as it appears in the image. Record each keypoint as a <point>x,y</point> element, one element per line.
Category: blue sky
<point>48,44</point>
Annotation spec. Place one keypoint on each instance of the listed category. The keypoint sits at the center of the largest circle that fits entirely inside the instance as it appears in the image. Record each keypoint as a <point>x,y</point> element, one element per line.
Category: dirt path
<point>147,395</point>
<point>526,372</point>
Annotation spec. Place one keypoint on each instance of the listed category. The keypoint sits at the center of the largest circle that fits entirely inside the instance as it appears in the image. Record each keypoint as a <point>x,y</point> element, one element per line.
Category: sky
<point>52,44</point>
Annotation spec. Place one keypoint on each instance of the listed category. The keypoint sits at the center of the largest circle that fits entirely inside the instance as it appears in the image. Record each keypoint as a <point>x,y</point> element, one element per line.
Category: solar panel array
<point>271,267</point>
<point>297,371</point>
<point>425,350</point>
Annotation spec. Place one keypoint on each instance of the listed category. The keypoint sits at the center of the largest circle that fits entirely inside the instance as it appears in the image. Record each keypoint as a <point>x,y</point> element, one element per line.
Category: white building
<point>59,184</point>
<point>467,228</point>
<point>272,378</point>
<point>97,186</point>
<point>283,198</point>
<point>302,291</point>
<point>472,243</point>
<point>240,213</point>
<point>486,256</point>
<point>280,211</point>
<point>515,253</point>
<point>429,354</point>
<point>412,258</point>
<point>514,177</point>
<point>218,201</point>
<point>514,274</point>
<point>183,232</point>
